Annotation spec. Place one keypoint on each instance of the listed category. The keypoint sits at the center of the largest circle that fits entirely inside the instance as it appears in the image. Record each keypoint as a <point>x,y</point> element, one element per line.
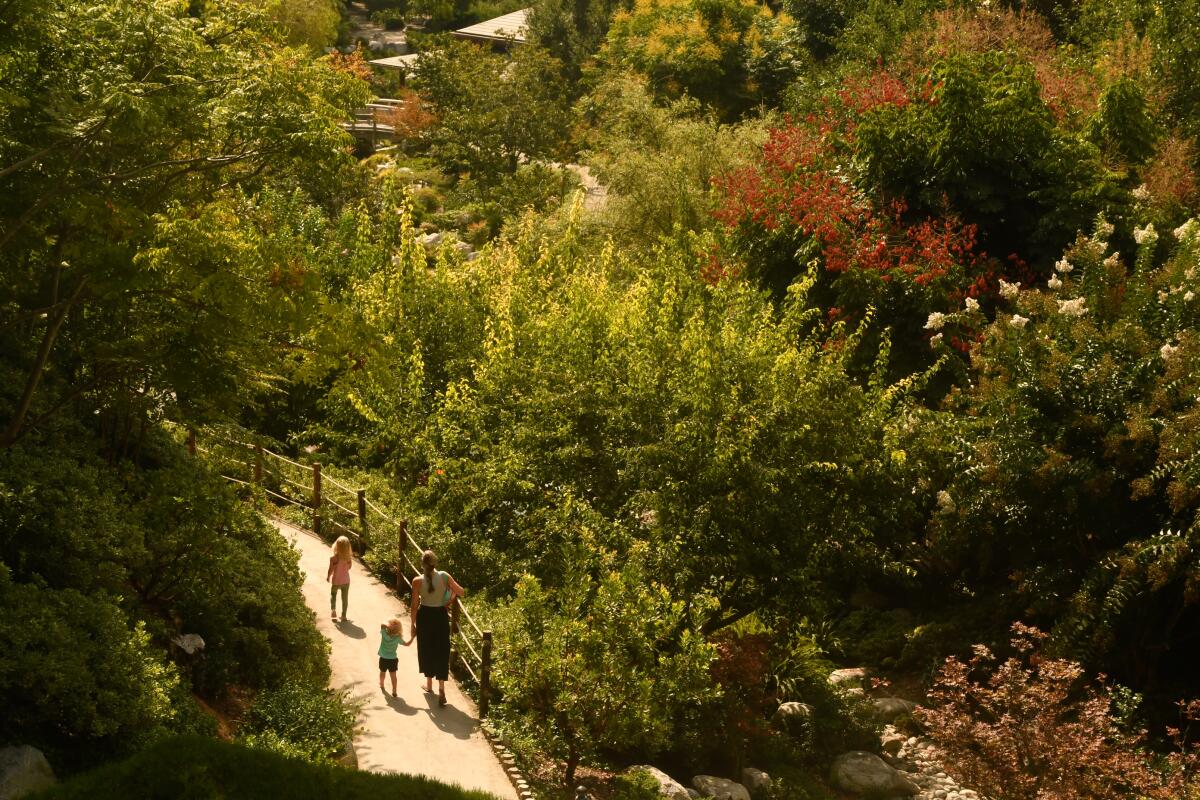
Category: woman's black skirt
<point>433,642</point>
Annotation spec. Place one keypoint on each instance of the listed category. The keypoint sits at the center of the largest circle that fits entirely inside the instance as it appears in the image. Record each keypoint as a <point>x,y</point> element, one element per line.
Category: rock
<point>860,772</point>
<point>887,709</point>
<point>791,716</point>
<point>901,764</point>
<point>720,788</point>
<point>755,780</point>
<point>892,742</point>
<point>348,758</point>
<point>463,247</point>
<point>667,786</point>
<point>190,643</point>
<point>23,770</point>
<point>431,240</point>
<point>692,793</point>
<point>855,678</point>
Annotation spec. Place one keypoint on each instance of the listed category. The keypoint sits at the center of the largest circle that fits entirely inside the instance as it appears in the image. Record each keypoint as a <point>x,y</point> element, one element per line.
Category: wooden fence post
<point>258,462</point>
<point>362,513</point>
<point>485,675</point>
<point>316,498</point>
<point>403,545</point>
<point>191,441</point>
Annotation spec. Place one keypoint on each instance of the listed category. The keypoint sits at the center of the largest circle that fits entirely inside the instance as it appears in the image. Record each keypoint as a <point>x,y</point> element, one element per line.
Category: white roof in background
<point>404,62</point>
<point>510,26</point>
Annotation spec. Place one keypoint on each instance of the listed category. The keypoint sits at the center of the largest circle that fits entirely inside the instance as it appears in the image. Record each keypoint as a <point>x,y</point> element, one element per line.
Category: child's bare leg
<point>393,680</point>
<point>393,684</point>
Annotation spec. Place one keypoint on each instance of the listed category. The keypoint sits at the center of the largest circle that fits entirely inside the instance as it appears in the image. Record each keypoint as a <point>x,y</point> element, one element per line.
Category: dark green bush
<point>193,768</point>
<point>77,677</point>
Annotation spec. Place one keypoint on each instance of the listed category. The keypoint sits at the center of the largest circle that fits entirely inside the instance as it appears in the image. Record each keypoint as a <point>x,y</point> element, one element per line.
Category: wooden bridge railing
<point>338,509</point>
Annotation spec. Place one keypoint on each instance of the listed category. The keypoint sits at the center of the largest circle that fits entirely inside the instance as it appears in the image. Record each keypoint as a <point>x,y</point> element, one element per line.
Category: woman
<point>432,594</point>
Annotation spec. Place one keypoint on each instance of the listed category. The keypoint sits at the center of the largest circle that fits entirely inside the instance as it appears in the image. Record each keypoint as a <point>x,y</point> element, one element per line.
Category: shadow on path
<point>348,628</point>
<point>398,705</point>
<point>450,719</point>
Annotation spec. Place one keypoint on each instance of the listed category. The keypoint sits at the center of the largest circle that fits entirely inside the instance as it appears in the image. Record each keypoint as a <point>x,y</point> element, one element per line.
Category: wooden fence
<point>288,482</point>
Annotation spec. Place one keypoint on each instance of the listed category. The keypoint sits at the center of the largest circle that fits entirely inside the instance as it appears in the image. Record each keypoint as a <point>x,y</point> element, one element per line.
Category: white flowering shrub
<point>1077,444</point>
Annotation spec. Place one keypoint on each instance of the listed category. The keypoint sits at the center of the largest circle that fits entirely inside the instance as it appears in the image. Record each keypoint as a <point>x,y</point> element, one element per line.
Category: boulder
<point>348,758</point>
<point>892,742</point>
<point>863,773</point>
<point>854,678</point>
<point>888,709</point>
<point>755,780</point>
<point>791,716</point>
<point>667,786</point>
<point>901,764</point>
<point>190,643</point>
<point>431,240</point>
<point>720,788</point>
<point>23,770</point>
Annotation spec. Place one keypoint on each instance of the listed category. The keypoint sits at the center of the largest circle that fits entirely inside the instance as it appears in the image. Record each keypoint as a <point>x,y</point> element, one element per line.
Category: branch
<point>78,140</point>
<point>39,367</point>
<point>204,162</point>
<point>27,160</point>
<point>38,420</point>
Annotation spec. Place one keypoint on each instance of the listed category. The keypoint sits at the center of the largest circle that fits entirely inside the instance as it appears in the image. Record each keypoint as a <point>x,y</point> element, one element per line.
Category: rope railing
<point>265,472</point>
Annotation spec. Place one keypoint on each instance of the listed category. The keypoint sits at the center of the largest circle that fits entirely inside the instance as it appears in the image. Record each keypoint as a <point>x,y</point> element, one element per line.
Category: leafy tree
<point>571,30</point>
<point>1176,56</point>
<point>732,54</point>
<point>130,139</point>
<point>493,110</point>
<point>606,660</point>
<point>659,164</point>
<point>981,141</point>
<point>307,22</point>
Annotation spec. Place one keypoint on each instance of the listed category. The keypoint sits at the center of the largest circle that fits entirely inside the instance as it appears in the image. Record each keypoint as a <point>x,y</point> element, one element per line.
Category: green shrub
<point>77,678</point>
<point>193,768</point>
<point>301,720</point>
<point>602,663</point>
<point>634,785</point>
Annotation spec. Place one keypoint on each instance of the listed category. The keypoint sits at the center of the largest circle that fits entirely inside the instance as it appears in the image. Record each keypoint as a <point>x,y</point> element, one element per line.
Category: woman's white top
<point>440,595</point>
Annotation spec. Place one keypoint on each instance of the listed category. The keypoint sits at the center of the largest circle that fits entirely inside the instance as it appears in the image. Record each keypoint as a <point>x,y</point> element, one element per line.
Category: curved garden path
<point>410,733</point>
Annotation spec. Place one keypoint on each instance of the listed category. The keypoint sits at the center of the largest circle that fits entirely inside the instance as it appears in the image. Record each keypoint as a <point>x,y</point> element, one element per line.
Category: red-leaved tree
<point>1034,729</point>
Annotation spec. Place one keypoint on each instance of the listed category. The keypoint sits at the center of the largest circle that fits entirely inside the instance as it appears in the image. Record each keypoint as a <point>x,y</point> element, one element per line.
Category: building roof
<point>404,62</point>
<point>501,29</point>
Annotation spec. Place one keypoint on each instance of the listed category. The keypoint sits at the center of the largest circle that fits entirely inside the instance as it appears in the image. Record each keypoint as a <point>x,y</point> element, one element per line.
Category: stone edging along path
<point>408,733</point>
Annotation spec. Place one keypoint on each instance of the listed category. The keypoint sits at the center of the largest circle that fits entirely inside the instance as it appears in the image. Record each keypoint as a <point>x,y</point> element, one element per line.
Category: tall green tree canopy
<point>134,139</point>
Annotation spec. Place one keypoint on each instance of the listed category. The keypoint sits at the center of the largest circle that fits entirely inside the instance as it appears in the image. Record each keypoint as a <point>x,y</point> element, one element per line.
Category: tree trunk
<point>572,763</point>
<point>13,432</point>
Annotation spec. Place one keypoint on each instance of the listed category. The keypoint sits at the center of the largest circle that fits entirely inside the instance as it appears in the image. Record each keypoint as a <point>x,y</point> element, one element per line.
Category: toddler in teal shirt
<point>391,634</point>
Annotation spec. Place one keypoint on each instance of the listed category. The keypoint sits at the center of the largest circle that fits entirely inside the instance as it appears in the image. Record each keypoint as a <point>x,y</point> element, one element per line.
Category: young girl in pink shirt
<point>338,575</point>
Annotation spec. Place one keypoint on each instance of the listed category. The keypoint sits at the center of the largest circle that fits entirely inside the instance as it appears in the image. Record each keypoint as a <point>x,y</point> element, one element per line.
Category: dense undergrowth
<point>884,338</point>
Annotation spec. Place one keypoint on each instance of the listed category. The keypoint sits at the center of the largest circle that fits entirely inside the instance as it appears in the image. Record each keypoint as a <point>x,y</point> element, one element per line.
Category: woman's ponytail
<point>429,562</point>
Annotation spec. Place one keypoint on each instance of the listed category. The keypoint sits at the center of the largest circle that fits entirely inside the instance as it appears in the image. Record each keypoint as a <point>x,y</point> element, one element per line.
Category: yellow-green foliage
<point>729,52</point>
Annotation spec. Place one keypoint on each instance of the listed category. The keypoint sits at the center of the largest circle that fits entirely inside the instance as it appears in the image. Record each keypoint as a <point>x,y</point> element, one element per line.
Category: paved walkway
<point>410,733</point>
